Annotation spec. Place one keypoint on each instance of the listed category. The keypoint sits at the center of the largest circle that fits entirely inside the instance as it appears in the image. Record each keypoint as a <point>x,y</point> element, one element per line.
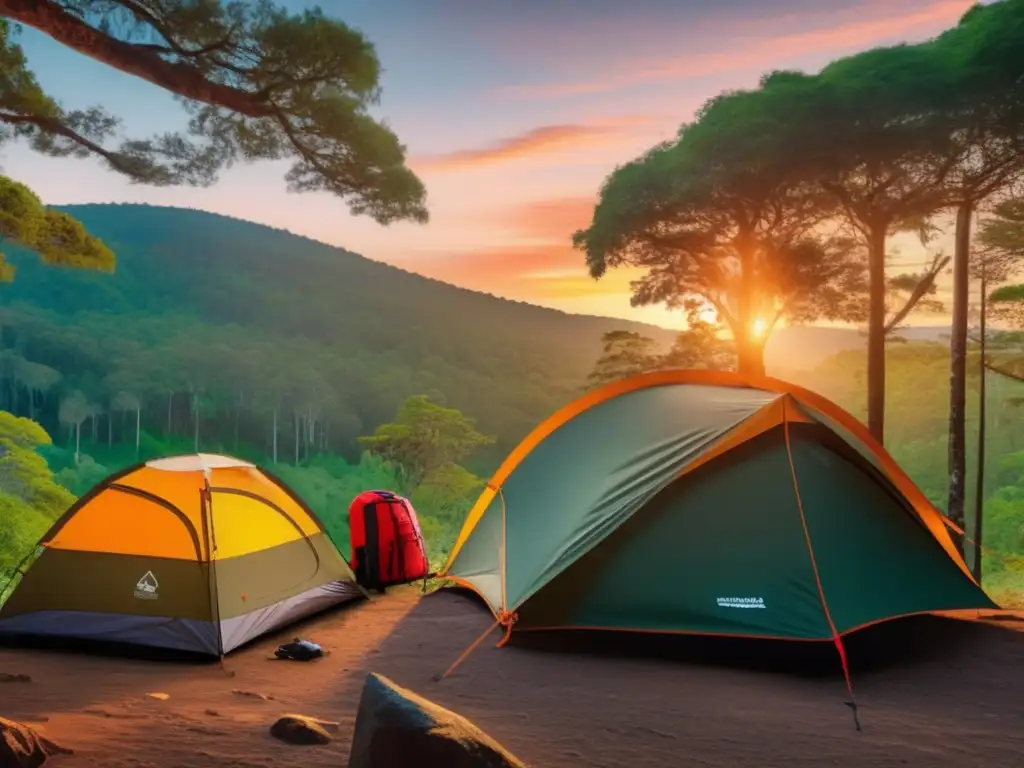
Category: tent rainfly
<point>704,502</point>
<point>199,553</point>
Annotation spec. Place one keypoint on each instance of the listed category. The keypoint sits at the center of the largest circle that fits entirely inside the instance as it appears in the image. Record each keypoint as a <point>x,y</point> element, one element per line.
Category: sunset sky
<point>513,113</point>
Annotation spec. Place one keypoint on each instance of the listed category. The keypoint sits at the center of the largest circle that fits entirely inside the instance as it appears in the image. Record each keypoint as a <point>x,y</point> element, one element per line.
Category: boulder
<point>22,747</point>
<point>299,729</point>
<point>396,728</point>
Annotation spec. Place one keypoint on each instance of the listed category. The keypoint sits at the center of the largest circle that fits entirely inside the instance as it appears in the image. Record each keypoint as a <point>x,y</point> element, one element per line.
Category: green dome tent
<point>702,502</point>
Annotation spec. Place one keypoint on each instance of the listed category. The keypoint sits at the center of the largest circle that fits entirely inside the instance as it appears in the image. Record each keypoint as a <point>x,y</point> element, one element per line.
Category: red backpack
<point>386,542</point>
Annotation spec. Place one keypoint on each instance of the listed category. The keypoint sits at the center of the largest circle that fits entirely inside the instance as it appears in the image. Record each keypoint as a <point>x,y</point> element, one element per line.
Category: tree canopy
<point>256,82</point>
<point>58,238</point>
<point>778,201</point>
<point>425,438</point>
<point>628,353</point>
<point>716,233</point>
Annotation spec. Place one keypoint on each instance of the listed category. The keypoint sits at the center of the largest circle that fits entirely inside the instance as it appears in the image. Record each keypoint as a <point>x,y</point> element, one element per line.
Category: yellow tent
<point>194,553</point>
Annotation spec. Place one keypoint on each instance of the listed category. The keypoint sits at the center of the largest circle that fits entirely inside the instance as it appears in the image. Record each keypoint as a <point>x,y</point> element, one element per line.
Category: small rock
<point>158,696</point>
<point>22,747</point>
<point>299,729</point>
<point>9,678</point>
<point>396,728</point>
<point>211,712</point>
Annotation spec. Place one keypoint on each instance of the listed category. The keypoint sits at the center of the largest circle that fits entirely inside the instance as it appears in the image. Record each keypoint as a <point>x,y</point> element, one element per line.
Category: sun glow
<point>758,327</point>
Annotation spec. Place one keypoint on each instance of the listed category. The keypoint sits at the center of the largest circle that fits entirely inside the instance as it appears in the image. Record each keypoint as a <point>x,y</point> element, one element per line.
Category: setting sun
<point>758,327</point>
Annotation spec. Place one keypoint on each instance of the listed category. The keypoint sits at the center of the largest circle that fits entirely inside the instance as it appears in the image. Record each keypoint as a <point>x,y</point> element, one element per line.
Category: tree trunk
<point>170,403</point>
<point>979,482</point>
<point>32,404</point>
<point>876,333</point>
<point>310,431</point>
<point>138,430</point>
<point>110,429</point>
<point>238,412</point>
<point>750,355</point>
<point>275,435</point>
<point>195,422</point>
<point>296,420</point>
<point>957,461</point>
<point>78,441</point>
<point>749,346</point>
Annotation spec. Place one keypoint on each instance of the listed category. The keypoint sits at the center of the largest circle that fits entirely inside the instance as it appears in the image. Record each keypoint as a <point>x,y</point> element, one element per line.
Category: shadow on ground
<point>932,692</point>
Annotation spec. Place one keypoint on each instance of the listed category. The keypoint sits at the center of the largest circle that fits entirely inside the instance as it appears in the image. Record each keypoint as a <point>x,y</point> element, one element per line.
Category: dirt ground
<point>931,692</point>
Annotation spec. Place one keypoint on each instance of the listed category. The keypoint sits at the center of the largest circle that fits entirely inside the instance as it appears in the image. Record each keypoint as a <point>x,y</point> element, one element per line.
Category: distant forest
<point>235,336</point>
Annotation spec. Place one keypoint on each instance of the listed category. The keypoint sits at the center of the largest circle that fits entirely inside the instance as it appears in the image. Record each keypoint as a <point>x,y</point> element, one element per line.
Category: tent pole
<point>836,637</point>
<point>211,550</point>
<point>504,556</point>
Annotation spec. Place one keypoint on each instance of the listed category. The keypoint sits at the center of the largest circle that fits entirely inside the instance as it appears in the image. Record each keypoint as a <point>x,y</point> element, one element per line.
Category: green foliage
<point>713,232</point>
<point>443,500</point>
<point>733,213</point>
<point>627,353</point>
<point>258,82</point>
<point>1008,304</point>
<point>425,440</point>
<point>58,238</point>
<point>30,499</point>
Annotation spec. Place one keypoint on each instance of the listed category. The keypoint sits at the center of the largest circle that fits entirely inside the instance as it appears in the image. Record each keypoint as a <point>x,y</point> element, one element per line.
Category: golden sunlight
<point>758,327</point>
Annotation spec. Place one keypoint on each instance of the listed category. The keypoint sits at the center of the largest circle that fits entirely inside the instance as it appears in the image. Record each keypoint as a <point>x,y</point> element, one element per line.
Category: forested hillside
<point>224,326</point>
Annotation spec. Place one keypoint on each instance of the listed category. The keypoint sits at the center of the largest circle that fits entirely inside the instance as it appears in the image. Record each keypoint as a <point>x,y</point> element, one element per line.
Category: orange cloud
<point>529,273</point>
<point>555,219</point>
<point>759,54</point>
<point>545,139</point>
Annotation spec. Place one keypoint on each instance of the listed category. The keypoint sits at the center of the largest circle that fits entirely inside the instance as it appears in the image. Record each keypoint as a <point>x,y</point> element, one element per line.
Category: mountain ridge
<point>789,349</point>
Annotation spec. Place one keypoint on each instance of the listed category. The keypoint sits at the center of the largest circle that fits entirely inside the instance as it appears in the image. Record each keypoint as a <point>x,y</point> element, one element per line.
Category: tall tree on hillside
<point>424,438</point>
<point>128,385</point>
<point>258,83</point>
<point>715,230</point>
<point>38,379</point>
<point>981,110</point>
<point>123,402</point>
<point>861,132</point>
<point>75,409</point>
<point>627,353</point>
<point>59,239</point>
<point>623,354</point>
<point>998,255</point>
<point>700,346</point>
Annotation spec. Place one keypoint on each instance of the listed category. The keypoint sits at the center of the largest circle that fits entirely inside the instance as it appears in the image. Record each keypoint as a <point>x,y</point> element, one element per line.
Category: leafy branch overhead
<point>258,83</point>
<point>59,239</point>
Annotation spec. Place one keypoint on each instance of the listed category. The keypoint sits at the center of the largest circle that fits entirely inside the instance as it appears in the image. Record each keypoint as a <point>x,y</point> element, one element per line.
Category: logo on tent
<point>740,602</point>
<point>146,587</point>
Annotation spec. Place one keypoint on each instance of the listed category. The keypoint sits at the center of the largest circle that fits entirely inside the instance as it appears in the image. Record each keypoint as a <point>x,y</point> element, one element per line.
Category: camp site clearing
<point>935,693</point>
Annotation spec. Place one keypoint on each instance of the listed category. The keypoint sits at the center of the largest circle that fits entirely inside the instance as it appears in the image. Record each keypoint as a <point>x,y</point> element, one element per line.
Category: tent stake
<point>467,652</point>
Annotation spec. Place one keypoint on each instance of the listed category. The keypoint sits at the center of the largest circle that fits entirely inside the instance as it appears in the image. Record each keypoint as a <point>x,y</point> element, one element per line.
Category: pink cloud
<point>544,139</point>
<point>759,53</point>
